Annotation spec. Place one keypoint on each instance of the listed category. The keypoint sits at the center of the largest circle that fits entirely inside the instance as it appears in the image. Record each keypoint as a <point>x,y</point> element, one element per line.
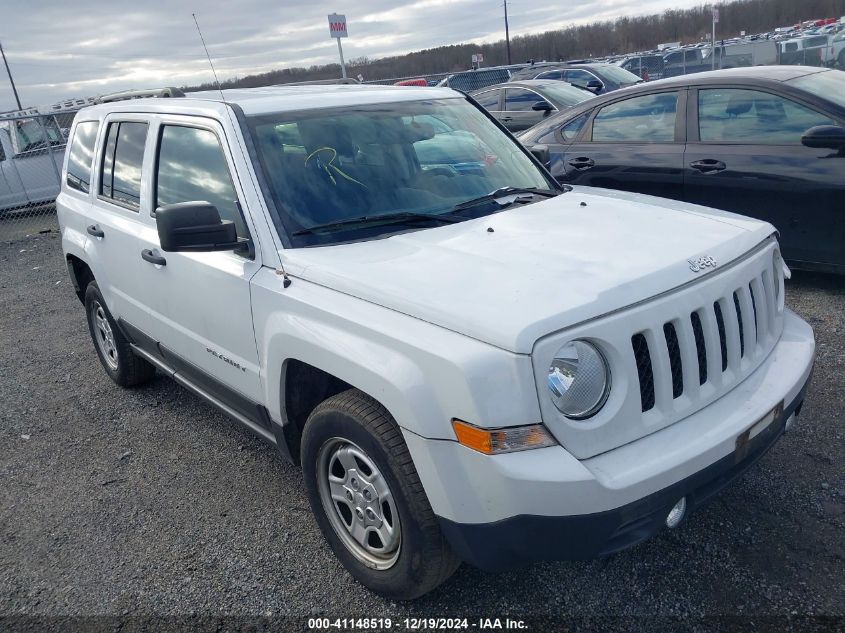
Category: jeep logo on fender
<point>700,263</point>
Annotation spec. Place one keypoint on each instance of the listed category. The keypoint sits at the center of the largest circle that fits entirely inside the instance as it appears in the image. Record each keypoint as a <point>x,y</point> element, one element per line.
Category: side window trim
<point>185,121</point>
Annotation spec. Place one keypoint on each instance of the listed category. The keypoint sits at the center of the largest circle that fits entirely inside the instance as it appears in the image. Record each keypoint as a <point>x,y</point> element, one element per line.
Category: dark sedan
<point>520,104</point>
<point>598,78</point>
<point>768,142</point>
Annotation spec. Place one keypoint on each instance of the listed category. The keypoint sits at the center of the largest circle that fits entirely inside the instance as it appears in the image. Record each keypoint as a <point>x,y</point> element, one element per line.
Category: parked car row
<point>766,142</point>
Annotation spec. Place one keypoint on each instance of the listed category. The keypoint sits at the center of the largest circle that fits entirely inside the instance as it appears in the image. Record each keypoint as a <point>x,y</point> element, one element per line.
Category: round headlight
<point>579,380</point>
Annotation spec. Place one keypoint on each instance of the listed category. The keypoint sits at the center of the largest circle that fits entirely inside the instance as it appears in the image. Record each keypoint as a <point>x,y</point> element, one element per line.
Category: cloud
<point>57,52</point>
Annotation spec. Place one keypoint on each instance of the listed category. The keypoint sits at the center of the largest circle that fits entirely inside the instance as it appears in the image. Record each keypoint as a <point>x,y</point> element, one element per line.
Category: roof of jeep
<point>255,101</point>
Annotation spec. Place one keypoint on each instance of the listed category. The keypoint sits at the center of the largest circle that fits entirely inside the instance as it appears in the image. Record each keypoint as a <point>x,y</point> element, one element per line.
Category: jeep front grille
<point>672,359</point>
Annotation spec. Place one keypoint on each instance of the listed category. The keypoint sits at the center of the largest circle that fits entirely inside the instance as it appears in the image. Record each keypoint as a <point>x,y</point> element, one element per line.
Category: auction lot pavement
<point>149,501</point>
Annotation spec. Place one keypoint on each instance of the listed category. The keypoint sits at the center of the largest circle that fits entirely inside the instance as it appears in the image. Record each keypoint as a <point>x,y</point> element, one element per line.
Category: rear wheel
<point>368,500</point>
<point>113,349</point>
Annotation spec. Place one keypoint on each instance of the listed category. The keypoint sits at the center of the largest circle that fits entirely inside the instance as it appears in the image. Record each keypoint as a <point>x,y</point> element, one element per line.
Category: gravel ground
<point>149,501</point>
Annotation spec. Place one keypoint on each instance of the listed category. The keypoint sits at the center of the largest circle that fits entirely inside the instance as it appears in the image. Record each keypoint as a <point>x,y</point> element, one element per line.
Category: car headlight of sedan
<point>579,380</point>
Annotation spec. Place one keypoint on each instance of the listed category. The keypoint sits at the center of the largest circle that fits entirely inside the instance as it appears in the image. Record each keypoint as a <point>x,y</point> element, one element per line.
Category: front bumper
<point>504,511</point>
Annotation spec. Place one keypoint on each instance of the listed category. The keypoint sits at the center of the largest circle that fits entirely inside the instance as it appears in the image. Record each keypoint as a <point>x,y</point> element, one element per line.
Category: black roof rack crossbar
<point>139,94</point>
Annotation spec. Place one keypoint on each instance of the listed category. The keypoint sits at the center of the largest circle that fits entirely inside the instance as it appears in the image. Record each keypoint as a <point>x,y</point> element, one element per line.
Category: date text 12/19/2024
<point>416,624</point>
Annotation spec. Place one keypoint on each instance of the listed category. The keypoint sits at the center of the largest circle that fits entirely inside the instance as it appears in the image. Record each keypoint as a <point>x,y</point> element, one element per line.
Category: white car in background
<point>32,149</point>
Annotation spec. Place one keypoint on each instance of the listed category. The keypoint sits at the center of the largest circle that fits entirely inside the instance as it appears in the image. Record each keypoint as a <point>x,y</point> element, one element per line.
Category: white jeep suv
<point>469,361</point>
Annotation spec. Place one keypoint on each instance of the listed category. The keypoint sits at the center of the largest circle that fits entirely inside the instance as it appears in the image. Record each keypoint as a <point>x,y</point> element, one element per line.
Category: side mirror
<point>541,153</point>
<point>196,227</point>
<point>594,85</point>
<point>824,136</point>
<point>542,106</point>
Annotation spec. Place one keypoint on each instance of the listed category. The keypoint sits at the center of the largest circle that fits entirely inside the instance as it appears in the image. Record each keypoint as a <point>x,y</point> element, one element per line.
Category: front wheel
<point>368,500</point>
<point>113,349</point>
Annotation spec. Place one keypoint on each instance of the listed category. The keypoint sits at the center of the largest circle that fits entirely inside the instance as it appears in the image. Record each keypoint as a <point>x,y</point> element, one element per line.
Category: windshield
<point>30,134</point>
<point>337,164</point>
<point>828,85</point>
<point>619,75</point>
<point>565,94</point>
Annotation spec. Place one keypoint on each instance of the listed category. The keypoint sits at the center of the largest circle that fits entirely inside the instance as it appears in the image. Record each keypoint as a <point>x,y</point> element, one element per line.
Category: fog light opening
<point>676,514</point>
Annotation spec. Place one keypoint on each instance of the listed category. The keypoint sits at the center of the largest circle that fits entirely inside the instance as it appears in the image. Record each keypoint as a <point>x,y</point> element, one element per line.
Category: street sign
<point>337,25</point>
<point>715,15</point>
<point>337,29</point>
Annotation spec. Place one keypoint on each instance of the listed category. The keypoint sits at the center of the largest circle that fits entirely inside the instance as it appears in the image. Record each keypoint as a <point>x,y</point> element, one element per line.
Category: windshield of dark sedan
<point>619,75</point>
<point>565,94</point>
<point>336,164</point>
<point>829,85</point>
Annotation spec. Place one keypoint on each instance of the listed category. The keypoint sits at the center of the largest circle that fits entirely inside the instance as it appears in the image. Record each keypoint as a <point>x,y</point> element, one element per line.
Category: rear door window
<point>122,162</point>
<point>489,100</point>
<point>752,116</point>
<point>81,156</point>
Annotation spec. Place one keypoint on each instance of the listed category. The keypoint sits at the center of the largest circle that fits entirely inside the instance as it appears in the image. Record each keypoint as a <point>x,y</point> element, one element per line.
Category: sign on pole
<point>715,15</point>
<point>337,25</point>
<point>337,29</point>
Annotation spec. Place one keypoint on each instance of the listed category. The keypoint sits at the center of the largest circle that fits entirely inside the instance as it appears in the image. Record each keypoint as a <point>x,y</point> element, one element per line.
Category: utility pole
<point>507,33</point>
<point>713,39</point>
<point>12,81</point>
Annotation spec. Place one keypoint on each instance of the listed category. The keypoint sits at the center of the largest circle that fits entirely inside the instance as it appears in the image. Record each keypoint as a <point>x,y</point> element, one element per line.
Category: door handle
<point>582,162</point>
<point>95,230</point>
<point>708,165</point>
<point>506,118</point>
<point>148,256</point>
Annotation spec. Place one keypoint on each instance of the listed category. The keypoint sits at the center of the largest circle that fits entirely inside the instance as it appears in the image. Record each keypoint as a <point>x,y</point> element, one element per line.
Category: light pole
<point>11,81</point>
<point>507,33</point>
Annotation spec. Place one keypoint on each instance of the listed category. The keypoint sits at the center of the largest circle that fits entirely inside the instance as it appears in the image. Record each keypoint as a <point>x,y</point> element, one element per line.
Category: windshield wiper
<point>503,192</point>
<point>387,218</point>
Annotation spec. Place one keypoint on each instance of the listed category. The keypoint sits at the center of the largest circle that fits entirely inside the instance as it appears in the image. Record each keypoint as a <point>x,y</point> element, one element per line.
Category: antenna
<point>210,63</point>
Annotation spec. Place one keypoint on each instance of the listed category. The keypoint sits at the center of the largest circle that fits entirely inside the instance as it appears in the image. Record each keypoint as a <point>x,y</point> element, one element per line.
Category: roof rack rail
<point>139,94</point>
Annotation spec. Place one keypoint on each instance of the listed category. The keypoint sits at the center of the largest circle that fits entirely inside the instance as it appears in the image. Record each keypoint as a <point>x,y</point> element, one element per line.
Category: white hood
<point>546,266</point>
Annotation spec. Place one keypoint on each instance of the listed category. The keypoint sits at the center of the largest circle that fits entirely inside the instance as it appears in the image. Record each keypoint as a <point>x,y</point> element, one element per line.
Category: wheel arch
<point>309,374</point>
<point>80,275</point>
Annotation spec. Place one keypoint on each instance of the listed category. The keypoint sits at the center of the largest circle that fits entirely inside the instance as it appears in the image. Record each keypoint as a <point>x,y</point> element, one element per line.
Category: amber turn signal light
<point>507,440</point>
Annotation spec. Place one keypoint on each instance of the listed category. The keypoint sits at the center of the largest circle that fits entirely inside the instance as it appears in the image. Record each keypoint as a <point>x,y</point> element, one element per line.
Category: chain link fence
<point>32,147</point>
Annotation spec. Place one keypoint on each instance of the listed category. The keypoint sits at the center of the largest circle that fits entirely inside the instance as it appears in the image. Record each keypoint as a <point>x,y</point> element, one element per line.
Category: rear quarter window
<point>81,156</point>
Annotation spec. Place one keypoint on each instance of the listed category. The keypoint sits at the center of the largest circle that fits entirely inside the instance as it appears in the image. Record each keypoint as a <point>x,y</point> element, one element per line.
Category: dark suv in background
<point>597,78</point>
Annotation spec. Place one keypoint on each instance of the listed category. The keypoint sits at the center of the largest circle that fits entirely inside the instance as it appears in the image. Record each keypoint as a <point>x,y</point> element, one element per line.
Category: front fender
<point>424,375</point>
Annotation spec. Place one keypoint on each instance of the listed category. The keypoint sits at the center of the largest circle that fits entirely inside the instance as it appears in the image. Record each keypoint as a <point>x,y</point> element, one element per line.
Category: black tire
<point>841,59</point>
<point>425,559</point>
<point>123,366</point>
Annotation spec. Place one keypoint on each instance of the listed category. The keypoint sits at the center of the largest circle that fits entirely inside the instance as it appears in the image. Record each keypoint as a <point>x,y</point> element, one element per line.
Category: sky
<point>77,48</point>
